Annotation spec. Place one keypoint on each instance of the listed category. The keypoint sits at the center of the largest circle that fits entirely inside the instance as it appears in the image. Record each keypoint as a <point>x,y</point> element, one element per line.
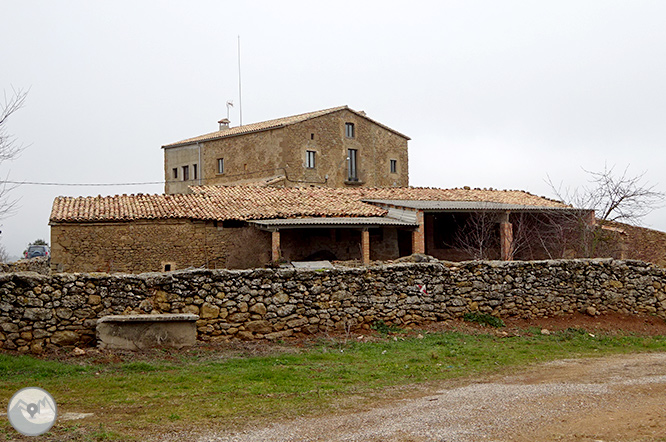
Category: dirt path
<point>620,398</point>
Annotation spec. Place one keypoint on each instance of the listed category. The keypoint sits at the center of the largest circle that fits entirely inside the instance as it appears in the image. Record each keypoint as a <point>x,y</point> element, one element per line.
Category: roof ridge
<point>264,125</point>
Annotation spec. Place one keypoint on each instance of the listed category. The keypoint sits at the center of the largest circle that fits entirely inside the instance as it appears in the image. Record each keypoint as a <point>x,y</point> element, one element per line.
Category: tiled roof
<point>270,124</point>
<point>516,197</point>
<point>256,203</point>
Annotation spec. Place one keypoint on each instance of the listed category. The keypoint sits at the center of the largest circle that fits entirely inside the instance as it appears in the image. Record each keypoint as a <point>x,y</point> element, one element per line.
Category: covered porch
<point>464,230</point>
<point>349,238</point>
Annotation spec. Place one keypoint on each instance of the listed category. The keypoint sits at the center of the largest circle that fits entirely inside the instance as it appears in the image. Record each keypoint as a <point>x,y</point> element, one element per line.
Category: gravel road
<point>620,398</point>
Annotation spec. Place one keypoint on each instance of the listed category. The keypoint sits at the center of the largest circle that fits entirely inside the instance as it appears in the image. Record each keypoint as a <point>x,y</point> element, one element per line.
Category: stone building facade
<point>156,245</point>
<point>336,147</point>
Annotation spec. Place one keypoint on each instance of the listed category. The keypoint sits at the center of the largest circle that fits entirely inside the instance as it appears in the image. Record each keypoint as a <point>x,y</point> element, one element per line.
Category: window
<point>175,173</point>
<point>312,136</point>
<point>194,171</point>
<point>351,163</point>
<point>186,173</point>
<point>310,159</point>
<point>349,130</point>
<point>394,166</point>
<point>220,165</point>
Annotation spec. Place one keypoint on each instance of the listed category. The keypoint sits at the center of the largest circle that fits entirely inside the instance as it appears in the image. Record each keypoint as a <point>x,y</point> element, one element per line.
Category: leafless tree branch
<point>477,238</point>
<point>9,148</point>
<point>614,197</point>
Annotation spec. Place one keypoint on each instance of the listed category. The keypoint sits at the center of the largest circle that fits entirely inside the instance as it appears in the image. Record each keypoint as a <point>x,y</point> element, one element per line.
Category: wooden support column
<point>365,246</point>
<point>418,235</point>
<point>506,237</point>
<point>275,249</point>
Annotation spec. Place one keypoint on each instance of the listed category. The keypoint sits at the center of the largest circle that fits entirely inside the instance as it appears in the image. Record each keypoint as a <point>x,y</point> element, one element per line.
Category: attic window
<point>220,165</point>
<point>186,173</point>
<point>194,171</point>
<point>349,130</point>
<point>394,166</point>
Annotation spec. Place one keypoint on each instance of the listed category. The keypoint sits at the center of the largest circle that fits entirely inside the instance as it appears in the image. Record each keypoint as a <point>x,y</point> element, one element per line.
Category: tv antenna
<point>240,100</point>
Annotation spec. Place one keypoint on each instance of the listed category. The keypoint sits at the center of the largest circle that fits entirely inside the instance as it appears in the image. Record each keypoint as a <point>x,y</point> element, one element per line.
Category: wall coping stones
<point>162,317</point>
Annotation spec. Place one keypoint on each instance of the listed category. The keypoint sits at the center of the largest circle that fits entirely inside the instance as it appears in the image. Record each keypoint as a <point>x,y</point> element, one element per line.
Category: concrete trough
<point>140,332</point>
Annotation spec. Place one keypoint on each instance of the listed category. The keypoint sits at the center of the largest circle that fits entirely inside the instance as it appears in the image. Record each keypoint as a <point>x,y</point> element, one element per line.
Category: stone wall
<point>38,312</point>
<point>40,264</point>
<point>148,246</point>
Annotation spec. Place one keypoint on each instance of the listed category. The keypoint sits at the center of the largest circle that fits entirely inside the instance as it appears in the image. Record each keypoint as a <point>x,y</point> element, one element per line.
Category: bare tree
<point>478,236</point>
<point>9,147</point>
<point>552,234</point>
<point>4,255</point>
<point>614,197</point>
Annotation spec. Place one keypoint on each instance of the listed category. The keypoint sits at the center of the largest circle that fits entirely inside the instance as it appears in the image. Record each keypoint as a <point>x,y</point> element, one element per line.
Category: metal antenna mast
<point>240,100</point>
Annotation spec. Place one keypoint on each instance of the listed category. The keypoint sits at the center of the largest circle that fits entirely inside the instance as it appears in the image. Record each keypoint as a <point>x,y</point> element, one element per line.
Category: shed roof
<point>374,221</point>
<point>466,205</point>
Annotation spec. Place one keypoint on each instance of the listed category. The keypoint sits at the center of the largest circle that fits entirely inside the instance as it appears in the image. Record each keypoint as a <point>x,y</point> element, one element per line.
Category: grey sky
<point>493,93</point>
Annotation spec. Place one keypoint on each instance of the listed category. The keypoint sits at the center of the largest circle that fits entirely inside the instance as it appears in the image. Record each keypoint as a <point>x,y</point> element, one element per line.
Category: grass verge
<point>199,388</point>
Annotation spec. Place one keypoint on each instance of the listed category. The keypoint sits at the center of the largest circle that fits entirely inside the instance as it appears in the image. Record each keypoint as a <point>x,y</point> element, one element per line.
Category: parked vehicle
<point>36,250</point>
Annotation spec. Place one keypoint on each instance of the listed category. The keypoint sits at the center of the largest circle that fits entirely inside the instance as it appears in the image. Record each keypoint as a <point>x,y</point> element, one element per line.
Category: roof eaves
<point>379,124</point>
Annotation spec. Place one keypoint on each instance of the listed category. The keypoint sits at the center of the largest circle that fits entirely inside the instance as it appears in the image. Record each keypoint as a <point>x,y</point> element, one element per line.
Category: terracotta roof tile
<point>255,203</point>
<point>270,124</point>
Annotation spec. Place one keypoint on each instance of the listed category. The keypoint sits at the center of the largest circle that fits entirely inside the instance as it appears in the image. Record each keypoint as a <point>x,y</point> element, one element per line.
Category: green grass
<point>200,387</point>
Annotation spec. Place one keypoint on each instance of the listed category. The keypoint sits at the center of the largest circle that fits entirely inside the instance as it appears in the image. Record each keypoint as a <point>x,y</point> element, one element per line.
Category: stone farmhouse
<point>337,147</point>
<point>330,184</point>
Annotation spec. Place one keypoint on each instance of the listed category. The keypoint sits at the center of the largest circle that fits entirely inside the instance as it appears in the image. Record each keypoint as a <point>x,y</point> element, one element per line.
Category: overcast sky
<point>493,93</point>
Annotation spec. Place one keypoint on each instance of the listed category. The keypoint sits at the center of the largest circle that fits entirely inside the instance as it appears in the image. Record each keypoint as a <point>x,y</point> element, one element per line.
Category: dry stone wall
<point>39,312</point>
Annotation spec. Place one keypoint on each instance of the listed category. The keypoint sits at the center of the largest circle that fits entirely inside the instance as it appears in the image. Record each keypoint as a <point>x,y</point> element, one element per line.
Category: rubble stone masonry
<point>39,312</point>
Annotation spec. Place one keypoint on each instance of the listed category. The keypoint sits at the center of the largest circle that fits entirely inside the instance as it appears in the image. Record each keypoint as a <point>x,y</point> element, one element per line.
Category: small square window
<point>310,159</point>
<point>175,173</point>
<point>394,166</point>
<point>220,165</point>
<point>349,130</point>
<point>186,173</point>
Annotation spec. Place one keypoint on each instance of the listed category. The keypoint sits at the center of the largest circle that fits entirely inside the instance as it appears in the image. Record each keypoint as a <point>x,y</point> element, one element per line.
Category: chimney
<point>224,123</point>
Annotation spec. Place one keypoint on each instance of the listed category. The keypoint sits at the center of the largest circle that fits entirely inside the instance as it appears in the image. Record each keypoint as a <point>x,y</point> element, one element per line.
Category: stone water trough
<point>139,332</point>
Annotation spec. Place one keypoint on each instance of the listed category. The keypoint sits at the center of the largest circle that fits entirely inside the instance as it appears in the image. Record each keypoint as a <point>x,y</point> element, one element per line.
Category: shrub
<point>484,319</point>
